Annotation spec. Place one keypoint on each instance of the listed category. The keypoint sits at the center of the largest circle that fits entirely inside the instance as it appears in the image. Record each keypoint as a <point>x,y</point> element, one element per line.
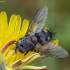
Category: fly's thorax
<point>41,36</point>
<point>44,36</point>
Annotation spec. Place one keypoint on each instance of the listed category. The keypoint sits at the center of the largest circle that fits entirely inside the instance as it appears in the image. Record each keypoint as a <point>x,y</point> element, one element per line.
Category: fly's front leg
<point>16,49</point>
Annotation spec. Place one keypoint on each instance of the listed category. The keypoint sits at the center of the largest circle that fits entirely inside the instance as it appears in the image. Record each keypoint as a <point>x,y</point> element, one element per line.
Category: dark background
<point>58,19</point>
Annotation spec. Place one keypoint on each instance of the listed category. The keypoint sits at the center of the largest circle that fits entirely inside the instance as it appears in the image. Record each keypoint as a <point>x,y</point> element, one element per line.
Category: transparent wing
<point>38,21</point>
<point>56,51</point>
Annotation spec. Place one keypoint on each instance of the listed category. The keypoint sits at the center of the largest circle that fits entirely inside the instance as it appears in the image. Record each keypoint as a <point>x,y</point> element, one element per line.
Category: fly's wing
<point>52,50</point>
<point>58,52</point>
<point>38,21</point>
<point>55,51</point>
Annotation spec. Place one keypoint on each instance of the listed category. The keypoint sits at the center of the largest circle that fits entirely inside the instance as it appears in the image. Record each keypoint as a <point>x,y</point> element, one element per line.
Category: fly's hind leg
<point>26,52</point>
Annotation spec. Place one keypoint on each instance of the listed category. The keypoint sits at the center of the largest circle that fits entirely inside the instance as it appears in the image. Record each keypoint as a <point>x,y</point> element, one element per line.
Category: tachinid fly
<point>37,35</point>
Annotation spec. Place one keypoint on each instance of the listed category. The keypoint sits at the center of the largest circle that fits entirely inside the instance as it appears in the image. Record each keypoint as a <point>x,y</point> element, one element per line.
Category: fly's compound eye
<point>34,39</point>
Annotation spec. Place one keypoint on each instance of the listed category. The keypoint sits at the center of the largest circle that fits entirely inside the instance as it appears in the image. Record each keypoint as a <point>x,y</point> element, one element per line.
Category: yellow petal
<point>18,24</point>
<point>7,68</point>
<point>12,22</point>
<point>2,32</point>
<point>8,59</point>
<point>17,29</point>
<point>25,61</point>
<point>56,42</point>
<point>24,28</point>
<point>46,28</point>
<point>31,58</point>
<point>10,29</point>
<point>1,57</point>
<point>34,67</point>
<point>16,63</point>
<point>10,54</point>
<point>18,55</point>
<point>4,20</point>
<point>6,46</point>
<point>12,59</point>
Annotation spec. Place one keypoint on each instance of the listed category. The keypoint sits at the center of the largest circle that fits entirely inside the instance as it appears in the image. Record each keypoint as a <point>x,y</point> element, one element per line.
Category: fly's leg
<point>26,52</point>
<point>16,49</point>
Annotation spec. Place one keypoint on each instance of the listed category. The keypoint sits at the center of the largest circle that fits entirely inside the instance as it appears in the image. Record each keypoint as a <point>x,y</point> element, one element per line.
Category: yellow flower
<point>56,42</point>
<point>9,34</point>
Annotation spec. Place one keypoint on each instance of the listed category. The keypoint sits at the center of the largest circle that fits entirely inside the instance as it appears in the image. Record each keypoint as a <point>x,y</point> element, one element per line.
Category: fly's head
<point>26,44</point>
<point>19,46</point>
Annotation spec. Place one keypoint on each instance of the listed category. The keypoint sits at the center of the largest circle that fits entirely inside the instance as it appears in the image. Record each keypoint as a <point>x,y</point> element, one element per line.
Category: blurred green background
<point>58,19</point>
